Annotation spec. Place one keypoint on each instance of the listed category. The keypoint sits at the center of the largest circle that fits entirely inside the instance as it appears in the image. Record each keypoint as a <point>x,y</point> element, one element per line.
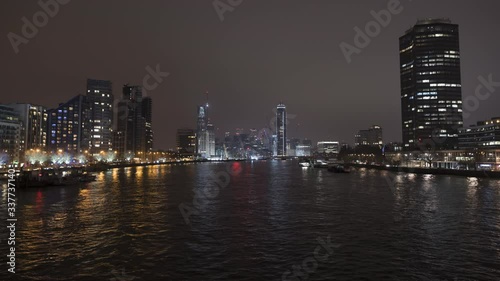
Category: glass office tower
<point>281,130</point>
<point>431,91</point>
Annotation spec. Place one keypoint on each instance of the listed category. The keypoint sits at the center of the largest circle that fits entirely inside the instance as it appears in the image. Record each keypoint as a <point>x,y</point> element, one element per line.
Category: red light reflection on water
<point>235,168</point>
<point>39,201</point>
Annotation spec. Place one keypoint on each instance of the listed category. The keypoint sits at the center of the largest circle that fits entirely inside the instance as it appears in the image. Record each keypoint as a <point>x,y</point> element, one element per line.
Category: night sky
<point>262,53</point>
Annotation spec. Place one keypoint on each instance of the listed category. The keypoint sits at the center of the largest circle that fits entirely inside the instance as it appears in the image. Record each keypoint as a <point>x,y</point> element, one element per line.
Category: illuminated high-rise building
<point>69,126</point>
<point>210,139</point>
<point>119,144</point>
<point>281,130</point>
<point>100,99</point>
<point>147,113</point>
<point>131,121</point>
<point>254,134</point>
<point>431,91</point>
<point>34,120</point>
<point>10,128</point>
<point>205,133</point>
<point>201,131</point>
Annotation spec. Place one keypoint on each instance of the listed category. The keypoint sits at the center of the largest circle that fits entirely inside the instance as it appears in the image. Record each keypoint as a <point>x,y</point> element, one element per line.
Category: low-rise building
<point>328,149</point>
<point>303,150</point>
<point>483,135</point>
<point>371,137</point>
<point>465,159</point>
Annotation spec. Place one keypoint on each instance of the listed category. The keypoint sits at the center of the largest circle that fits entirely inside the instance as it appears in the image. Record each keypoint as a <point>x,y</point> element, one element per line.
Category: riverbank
<point>99,167</point>
<point>126,165</point>
<point>433,171</point>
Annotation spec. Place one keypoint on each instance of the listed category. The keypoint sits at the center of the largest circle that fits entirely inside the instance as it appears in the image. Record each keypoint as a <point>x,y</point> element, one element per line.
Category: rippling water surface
<point>266,218</point>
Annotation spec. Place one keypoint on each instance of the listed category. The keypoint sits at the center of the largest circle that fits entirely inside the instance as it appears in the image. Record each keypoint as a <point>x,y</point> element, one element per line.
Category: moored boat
<point>338,169</point>
<point>85,177</point>
<point>37,178</point>
<point>305,164</point>
<point>320,164</point>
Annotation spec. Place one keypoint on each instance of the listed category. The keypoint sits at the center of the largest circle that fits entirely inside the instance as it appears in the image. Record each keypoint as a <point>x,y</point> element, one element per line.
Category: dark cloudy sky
<point>263,52</point>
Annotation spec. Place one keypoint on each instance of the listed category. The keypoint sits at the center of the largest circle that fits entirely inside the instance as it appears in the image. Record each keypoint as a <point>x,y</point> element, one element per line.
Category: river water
<point>263,220</point>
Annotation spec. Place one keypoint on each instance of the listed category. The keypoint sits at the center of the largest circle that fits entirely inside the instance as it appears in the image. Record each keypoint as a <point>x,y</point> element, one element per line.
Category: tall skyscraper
<point>132,122</point>
<point>210,139</point>
<point>34,119</point>
<point>119,143</point>
<point>100,99</point>
<point>281,130</point>
<point>201,131</point>
<point>431,91</point>
<point>69,127</point>
<point>205,133</point>
<point>147,113</point>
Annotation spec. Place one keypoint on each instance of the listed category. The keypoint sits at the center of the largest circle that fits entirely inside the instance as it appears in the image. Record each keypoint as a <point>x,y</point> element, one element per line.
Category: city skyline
<point>250,140</point>
<point>300,72</point>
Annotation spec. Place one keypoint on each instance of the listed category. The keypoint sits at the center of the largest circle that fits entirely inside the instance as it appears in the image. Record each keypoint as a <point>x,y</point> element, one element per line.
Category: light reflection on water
<point>264,221</point>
